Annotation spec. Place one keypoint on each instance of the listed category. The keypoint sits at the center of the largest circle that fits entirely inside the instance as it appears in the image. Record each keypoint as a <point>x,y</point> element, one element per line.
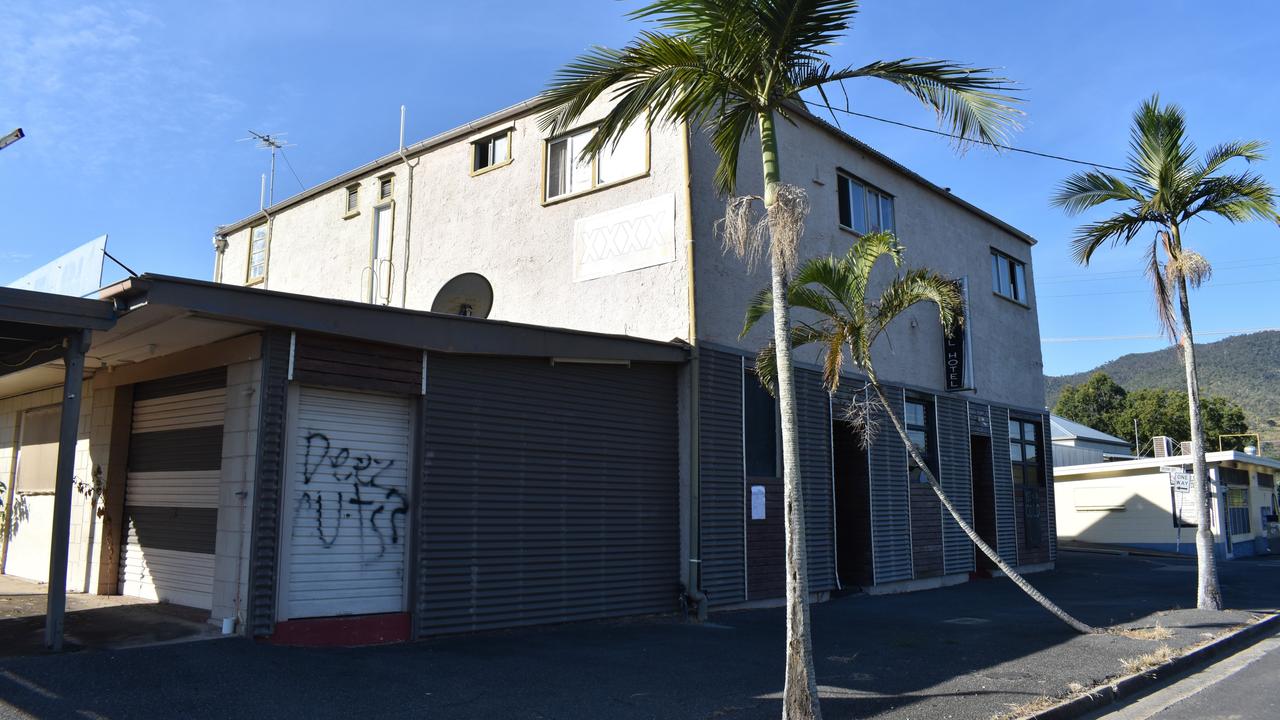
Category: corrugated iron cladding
<point>720,471</point>
<point>956,481</point>
<point>890,497</point>
<point>814,419</point>
<point>1002,472</point>
<point>550,494</point>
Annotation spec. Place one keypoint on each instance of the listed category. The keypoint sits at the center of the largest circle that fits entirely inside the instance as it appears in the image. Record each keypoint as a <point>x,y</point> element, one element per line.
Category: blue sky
<point>132,110</point>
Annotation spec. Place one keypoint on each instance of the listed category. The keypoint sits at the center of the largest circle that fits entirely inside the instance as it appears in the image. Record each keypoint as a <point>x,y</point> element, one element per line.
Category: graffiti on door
<point>372,509</point>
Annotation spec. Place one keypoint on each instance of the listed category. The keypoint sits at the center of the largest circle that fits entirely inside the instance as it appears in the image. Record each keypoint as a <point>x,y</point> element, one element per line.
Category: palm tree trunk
<point>800,692</point>
<point>1208,595</point>
<point>1017,579</point>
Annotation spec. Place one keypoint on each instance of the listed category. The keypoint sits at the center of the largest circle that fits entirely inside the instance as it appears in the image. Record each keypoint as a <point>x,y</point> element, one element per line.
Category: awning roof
<point>34,326</point>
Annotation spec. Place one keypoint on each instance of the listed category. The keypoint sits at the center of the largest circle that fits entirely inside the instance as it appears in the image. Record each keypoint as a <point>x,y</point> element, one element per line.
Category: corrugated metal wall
<point>813,415</point>
<point>1050,506</point>
<point>956,481</point>
<point>1006,523</point>
<point>890,499</point>
<point>720,471</point>
<point>551,493</point>
<point>270,466</point>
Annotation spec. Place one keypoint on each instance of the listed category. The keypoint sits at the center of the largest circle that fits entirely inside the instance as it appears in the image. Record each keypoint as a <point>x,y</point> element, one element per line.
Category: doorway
<point>984,496</point>
<point>853,506</point>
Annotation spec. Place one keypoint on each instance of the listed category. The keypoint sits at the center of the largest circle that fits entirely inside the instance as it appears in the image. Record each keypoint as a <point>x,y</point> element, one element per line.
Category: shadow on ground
<point>968,651</point>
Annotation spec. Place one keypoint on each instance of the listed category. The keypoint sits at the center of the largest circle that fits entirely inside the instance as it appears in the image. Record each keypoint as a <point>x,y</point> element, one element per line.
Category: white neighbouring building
<point>1147,503</point>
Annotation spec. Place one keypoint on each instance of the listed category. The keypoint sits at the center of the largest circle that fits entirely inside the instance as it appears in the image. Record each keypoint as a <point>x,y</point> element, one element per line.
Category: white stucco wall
<point>496,224</point>
<point>936,233</point>
<point>1146,517</point>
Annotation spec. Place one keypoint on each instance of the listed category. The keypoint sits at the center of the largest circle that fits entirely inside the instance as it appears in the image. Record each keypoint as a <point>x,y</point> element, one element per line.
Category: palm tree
<point>837,290</point>
<point>732,68</point>
<point>1165,189</point>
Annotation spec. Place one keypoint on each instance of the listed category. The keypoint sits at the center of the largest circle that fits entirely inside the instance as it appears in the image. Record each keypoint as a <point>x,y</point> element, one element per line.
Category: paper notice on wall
<point>623,239</point>
<point>757,502</point>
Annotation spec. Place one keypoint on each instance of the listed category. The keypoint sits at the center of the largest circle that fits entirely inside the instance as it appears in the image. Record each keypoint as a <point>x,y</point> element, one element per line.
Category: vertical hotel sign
<point>956,349</point>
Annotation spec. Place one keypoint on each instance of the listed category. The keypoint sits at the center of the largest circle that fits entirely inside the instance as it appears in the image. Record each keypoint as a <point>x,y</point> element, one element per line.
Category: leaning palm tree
<point>732,68</point>
<point>850,321</point>
<point>1165,189</point>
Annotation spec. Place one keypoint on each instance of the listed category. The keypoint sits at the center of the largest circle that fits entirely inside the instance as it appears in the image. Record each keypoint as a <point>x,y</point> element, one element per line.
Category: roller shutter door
<point>171,490</point>
<point>347,503</point>
<point>551,493</point>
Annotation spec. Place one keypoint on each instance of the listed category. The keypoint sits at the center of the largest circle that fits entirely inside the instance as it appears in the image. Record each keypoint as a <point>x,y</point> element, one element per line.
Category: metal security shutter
<point>813,415</point>
<point>956,481</point>
<point>890,498</point>
<point>1002,472</point>
<point>171,489</point>
<point>1051,508</point>
<point>347,505</point>
<point>720,474</point>
<point>551,493</point>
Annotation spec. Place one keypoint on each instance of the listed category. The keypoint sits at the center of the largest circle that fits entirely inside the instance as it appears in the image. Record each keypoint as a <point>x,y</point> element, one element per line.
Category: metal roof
<point>34,325</point>
<point>1064,429</point>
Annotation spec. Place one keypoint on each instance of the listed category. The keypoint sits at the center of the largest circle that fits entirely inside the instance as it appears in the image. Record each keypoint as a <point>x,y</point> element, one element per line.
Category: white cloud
<point>94,82</point>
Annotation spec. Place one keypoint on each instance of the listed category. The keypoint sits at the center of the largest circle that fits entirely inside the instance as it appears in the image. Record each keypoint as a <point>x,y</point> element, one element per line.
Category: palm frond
<point>917,286</point>
<point>1219,155</point>
<point>1163,294</point>
<point>767,358</point>
<point>728,130</point>
<point>761,304</point>
<point>1117,229</point>
<point>1236,198</point>
<point>970,102</point>
<point>1086,190</point>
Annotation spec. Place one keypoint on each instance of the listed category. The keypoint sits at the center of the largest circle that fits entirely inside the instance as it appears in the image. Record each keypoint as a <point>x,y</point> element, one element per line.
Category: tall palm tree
<point>1165,188</point>
<point>851,320</point>
<point>733,68</point>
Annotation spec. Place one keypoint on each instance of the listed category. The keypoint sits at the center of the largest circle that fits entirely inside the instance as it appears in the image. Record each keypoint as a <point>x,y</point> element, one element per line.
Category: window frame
<point>1017,275</point>
<point>596,185</point>
<point>350,209</point>
<point>930,430</point>
<point>1022,442</point>
<point>509,134</point>
<point>389,181</point>
<point>249,278</point>
<point>868,190</point>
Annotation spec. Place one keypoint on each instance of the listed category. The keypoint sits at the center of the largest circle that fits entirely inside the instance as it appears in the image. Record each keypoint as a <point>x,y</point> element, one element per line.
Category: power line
<point>1094,338</point>
<point>1133,274</point>
<point>965,139</point>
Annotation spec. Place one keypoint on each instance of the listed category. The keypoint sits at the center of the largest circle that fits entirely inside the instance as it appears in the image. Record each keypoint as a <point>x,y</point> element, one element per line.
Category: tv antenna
<point>275,143</point>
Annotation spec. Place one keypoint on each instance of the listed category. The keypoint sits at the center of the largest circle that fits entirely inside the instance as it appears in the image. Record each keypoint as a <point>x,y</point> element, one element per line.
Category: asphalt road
<point>1244,686</point>
<point>968,651</point>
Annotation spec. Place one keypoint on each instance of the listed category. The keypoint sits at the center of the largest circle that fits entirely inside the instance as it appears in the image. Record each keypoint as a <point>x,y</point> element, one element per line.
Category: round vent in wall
<point>468,294</point>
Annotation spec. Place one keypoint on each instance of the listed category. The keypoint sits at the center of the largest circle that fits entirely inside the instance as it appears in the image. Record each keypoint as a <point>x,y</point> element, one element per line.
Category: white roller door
<point>171,492</point>
<point>346,505</point>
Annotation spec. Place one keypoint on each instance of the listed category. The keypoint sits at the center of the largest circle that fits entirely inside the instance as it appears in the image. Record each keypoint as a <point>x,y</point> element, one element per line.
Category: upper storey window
<point>864,208</point>
<point>259,239</point>
<point>491,152</point>
<point>568,173</point>
<point>1008,277</point>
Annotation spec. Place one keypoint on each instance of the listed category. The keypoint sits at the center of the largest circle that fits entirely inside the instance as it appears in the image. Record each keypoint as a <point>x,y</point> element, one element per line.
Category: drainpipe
<point>693,585</point>
<point>408,217</point>
<point>220,253</point>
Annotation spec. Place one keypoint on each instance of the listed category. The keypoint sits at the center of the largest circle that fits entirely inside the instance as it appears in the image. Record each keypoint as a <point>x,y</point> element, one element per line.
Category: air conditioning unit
<point>1184,447</point>
<point>1163,446</point>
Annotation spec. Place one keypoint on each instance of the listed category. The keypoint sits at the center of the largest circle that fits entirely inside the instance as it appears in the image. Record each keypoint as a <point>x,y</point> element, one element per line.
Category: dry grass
<point>1157,632</point>
<point>1159,656</point>
<point>1040,704</point>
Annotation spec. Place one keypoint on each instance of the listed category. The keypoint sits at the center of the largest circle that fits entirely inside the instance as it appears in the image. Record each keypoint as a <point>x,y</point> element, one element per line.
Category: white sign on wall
<point>757,502</point>
<point>623,239</point>
<point>77,273</point>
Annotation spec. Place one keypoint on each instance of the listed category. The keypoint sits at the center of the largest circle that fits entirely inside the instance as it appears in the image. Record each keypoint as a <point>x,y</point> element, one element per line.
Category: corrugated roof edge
<point>531,104</point>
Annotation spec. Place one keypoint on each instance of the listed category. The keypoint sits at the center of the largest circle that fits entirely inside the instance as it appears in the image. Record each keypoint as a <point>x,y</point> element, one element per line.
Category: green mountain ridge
<point>1242,368</point>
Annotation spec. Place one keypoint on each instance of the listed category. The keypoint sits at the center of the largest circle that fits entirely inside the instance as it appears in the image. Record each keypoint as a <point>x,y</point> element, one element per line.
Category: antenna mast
<point>274,143</point>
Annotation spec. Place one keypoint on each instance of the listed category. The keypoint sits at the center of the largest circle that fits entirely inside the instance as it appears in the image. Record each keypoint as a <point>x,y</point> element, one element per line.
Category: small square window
<point>491,151</point>
<point>384,188</point>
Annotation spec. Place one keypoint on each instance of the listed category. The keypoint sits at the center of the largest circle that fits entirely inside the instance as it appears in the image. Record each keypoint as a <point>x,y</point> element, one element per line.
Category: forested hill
<point>1242,368</point>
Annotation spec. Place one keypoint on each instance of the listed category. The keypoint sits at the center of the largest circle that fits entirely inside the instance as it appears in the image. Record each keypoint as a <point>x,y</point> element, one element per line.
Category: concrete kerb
<point>1131,685</point>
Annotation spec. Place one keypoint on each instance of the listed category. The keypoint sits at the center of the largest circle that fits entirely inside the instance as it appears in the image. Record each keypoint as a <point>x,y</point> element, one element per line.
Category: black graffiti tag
<point>386,506</point>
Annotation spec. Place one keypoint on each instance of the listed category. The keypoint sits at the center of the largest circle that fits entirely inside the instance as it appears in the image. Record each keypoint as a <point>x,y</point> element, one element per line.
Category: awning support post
<point>77,345</point>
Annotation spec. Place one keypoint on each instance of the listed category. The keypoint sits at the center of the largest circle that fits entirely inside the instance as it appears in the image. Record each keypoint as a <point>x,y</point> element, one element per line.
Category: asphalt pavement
<point>967,651</point>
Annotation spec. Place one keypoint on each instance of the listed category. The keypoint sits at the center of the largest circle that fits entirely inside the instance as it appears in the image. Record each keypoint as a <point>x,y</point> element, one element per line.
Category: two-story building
<point>514,461</point>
